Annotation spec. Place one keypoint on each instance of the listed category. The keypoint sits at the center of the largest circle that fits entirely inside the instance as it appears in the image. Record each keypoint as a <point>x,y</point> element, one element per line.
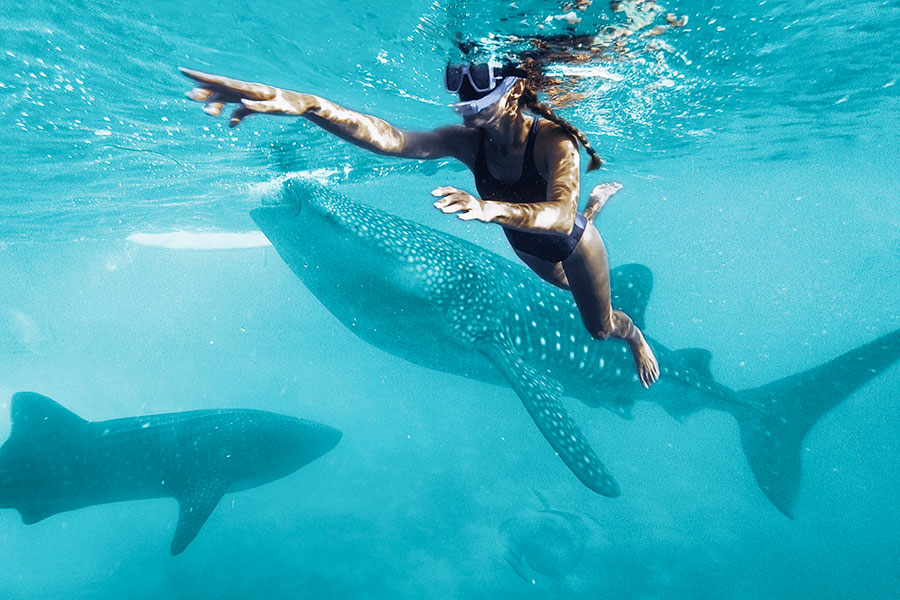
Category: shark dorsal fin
<point>696,359</point>
<point>196,504</point>
<point>631,286</point>
<point>33,412</point>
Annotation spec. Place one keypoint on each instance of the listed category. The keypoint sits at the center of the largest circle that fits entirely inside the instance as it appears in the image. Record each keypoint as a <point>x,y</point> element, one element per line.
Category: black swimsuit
<point>530,187</point>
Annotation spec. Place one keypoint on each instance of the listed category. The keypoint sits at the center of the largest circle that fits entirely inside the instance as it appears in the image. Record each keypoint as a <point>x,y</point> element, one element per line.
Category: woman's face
<point>507,107</point>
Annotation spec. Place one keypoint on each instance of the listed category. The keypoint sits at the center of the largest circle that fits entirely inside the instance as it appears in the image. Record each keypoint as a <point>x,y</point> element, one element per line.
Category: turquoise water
<point>758,151</point>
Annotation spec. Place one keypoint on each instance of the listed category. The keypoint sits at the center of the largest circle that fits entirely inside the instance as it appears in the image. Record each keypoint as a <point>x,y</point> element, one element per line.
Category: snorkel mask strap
<point>471,107</point>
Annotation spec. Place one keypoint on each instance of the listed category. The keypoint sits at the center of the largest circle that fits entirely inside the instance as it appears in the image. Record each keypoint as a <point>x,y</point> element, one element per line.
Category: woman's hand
<point>453,200</point>
<point>216,91</point>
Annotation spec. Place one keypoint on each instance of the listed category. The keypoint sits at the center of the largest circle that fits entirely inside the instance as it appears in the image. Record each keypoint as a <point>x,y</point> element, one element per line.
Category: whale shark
<point>444,303</point>
<point>55,461</point>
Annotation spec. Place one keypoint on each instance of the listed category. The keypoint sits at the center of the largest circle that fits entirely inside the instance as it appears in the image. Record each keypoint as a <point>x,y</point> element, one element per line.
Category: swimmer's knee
<point>602,333</point>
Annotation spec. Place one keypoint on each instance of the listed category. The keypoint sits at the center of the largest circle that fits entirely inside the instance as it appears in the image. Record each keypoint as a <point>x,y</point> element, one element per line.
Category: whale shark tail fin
<point>782,413</point>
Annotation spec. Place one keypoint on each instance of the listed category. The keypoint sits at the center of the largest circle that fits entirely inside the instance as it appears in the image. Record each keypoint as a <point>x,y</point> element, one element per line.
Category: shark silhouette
<point>546,542</point>
<point>441,302</point>
<point>55,461</point>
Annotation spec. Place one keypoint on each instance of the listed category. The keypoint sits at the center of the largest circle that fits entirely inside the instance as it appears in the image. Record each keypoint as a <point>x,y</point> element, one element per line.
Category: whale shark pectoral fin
<point>541,397</point>
<point>196,505</point>
<point>631,286</point>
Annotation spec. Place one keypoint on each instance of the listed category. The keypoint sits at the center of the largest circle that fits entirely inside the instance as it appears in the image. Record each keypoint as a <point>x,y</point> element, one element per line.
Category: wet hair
<point>530,101</point>
<point>535,80</point>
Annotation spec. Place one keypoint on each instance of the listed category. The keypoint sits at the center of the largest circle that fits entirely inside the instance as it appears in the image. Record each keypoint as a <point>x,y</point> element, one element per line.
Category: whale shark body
<point>444,303</point>
<point>55,461</point>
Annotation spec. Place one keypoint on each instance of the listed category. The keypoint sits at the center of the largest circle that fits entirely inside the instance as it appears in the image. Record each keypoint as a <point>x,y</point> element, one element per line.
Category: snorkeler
<point>526,172</point>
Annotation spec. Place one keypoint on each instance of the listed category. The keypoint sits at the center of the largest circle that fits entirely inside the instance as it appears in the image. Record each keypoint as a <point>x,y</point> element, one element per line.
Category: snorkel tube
<point>472,107</point>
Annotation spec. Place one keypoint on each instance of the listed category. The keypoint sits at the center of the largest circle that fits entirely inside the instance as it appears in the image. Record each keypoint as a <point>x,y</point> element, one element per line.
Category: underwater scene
<point>256,362</point>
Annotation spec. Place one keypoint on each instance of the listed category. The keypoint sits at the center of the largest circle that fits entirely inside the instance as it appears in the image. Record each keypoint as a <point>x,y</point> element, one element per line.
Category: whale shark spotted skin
<point>55,461</point>
<point>444,303</point>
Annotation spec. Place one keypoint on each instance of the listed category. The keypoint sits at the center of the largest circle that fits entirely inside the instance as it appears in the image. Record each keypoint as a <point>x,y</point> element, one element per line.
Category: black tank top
<point>530,187</point>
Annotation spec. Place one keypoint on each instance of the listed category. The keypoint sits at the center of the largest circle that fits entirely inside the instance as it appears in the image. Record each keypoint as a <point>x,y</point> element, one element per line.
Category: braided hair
<point>530,101</point>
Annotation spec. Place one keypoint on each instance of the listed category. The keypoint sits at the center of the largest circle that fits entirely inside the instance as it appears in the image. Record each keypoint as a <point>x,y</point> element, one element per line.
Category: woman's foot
<point>644,359</point>
<point>599,195</point>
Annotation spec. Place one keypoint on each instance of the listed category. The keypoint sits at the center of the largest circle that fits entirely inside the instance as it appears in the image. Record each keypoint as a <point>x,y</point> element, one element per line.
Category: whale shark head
<point>383,276</point>
<point>324,229</point>
<point>263,446</point>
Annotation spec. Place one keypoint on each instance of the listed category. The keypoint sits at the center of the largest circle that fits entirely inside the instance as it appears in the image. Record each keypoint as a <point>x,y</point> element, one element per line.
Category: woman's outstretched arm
<point>363,130</point>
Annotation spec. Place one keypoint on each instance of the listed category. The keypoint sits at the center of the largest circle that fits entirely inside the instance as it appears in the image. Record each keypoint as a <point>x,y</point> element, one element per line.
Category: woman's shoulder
<point>550,131</point>
<point>553,135</point>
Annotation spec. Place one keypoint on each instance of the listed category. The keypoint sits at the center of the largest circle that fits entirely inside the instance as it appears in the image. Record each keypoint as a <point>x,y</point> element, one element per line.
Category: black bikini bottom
<point>545,246</point>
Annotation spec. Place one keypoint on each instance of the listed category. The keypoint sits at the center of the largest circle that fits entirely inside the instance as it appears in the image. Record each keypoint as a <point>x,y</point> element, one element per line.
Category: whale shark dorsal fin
<point>34,414</point>
<point>196,504</point>
<point>541,397</point>
<point>696,359</point>
<point>631,287</point>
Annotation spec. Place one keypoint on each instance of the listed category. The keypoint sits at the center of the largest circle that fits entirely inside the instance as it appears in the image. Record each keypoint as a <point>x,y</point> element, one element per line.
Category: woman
<point>526,171</point>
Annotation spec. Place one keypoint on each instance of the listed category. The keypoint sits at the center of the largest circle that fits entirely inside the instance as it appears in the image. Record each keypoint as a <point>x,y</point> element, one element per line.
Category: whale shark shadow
<point>545,542</point>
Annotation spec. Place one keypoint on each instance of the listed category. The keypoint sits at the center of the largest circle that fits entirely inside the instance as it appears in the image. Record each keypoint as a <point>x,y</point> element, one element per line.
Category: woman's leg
<point>551,272</point>
<point>587,273</point>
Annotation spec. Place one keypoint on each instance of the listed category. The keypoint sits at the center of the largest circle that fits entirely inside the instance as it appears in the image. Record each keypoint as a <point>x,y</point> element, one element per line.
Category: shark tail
<point>781,413</point>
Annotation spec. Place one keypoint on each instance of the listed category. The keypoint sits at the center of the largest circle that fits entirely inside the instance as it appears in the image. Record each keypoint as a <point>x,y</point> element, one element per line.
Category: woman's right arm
<point>363,130</point>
